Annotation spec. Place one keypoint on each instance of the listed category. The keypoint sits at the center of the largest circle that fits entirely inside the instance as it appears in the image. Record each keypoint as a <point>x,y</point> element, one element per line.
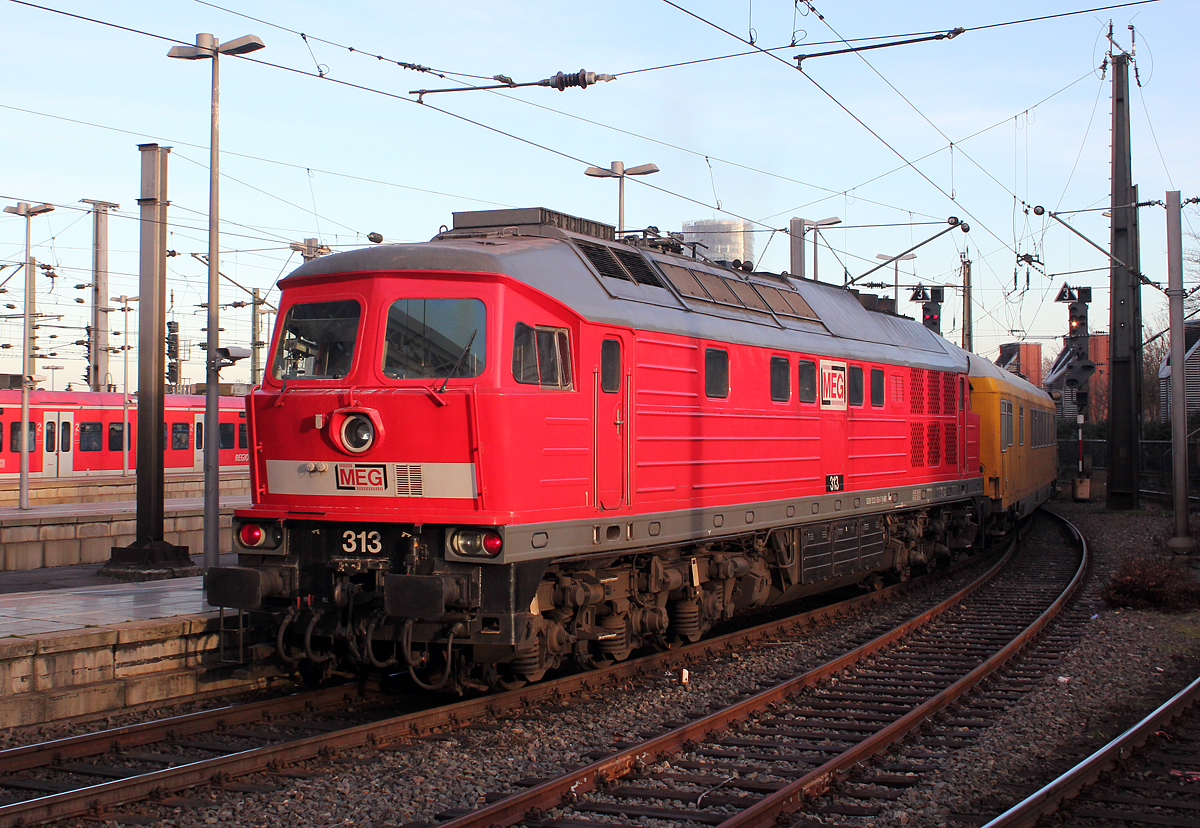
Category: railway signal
<point>931,310</point>
<point>931,316</point>
<point>1078,319</point>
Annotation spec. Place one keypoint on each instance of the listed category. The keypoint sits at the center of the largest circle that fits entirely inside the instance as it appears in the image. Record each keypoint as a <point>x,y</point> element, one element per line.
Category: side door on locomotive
<point>612,421</point>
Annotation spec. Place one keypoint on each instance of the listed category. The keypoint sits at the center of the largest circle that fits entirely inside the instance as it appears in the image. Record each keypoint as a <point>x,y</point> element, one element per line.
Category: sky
<point>322,137</point>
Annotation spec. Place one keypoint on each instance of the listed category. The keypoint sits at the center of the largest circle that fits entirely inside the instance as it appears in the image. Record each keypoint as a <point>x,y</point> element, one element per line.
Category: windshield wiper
<point>466,350</point>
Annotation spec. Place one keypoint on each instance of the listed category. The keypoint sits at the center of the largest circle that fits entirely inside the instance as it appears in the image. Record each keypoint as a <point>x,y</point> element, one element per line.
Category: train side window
<point>610,366</point>
<point>199,436</point>
<point>91,436</point>
<point>541,356</point>
<point>1005,425</point>
<point>716,373</point>
<point>960,394</point>
<point>226,432</point>
<point>64,438</point>
<point>877,387</point>
<point>241,435</point>
<point>781,379</point>
<point>1021,427</point>
<point>50,441</point>
<point>14,437</point>
<point>180,434</point>
<point>806,381</point>
<point>854,383</point>
<point>115,432</point>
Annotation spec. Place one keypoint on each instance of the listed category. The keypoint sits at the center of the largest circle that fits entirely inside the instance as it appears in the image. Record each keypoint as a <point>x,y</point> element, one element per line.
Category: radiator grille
<point>916,391</point>
<point>935,444</point>
<point>408,480</point>
<point>603,259</point>
<point>918,445</point>
<point>949,406</point>
<point>951,444</point>
<point>933,393</point>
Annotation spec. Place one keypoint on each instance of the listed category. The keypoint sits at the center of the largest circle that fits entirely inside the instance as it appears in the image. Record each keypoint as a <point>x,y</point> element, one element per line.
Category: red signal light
<point>492,543</point>
<point>250,535</point>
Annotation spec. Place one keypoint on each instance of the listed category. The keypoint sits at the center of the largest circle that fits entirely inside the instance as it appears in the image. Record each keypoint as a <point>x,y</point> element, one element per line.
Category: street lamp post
<point>797,227</point>
<point>27,211</point>
<point>618,171</point>
<point>896,273</point>
<point>208,47</point>
<point>125,346</point>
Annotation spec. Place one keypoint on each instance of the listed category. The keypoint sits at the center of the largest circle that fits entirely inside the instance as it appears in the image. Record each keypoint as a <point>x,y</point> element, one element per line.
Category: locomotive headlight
<point>358,433</point>
<point>477,543</point>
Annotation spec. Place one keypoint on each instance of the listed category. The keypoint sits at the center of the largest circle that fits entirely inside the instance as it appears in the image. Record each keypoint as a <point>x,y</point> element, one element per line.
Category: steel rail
<point>26,757</point>
<point>112,793</point>
<point>788,799</point>
<point>514,809</point>
<point>1046,801</point>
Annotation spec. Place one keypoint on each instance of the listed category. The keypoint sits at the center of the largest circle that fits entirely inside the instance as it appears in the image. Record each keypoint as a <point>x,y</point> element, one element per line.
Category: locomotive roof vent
<point>530,219</point>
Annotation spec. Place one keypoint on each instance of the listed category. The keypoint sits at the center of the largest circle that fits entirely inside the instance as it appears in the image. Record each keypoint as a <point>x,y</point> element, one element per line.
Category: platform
<point>65,534</point>
<point>93,645</point>
<point>116,488</point>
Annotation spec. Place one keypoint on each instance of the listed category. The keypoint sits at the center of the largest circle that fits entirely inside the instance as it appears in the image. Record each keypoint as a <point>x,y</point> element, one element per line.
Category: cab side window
<point>542,356</point>
<point>610,366</point>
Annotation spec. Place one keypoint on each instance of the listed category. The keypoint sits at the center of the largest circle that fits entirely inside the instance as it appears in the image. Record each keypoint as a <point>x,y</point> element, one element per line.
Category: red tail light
<point>477,543</point>
<point>251,535</point>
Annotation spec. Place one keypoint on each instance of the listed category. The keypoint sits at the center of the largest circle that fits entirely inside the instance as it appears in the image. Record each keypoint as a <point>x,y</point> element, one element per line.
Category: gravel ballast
<point>1124,665</point>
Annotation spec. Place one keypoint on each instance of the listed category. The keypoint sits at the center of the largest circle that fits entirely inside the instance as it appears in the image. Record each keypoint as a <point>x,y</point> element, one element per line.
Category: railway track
<point>1153,777</point>
<point>93,773</point>
<point>777,752</point>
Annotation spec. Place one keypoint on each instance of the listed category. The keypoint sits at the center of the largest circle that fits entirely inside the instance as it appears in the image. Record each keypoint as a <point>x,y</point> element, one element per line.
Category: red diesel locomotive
<point>525,443</point>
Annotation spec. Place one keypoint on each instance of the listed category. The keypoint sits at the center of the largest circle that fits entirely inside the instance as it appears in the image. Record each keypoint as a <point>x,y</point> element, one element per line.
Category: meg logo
<point>362,477</point>
<point>833,385</point>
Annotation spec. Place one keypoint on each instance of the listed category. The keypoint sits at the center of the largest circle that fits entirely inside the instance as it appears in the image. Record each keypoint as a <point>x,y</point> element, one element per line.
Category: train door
<point>58,432</point>
<point>612,422</point>
<point>198,443</point>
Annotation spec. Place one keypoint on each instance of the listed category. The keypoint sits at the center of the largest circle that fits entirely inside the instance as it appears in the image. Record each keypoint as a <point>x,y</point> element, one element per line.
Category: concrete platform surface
<point>77,598</point>
<point>119,508</point>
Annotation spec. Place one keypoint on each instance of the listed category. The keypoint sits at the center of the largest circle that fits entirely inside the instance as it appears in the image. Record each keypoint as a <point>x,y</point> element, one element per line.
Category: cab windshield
<point>435,338</point>
<point>317,341</point>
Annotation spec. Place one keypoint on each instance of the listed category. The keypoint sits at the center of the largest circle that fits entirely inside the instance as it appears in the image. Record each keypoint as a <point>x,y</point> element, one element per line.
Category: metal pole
<point>151,346</point>
<point>255,341</point>
<point>212,516</point>
<point>796,228</point>
<point>99,344</point>
<point>1181,543</point>
<point>1125,318</point>
<point>968,336</point>
<point>896,283</point>
<point>26,365</point>
<point>816,244</point>
<point>125,348</point>
<point>125,395</point>
<point>619,168</point>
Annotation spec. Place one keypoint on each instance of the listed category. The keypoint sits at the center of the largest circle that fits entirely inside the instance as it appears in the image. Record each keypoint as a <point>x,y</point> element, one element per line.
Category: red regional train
<point>78,434</point>
<point>525,444</point>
